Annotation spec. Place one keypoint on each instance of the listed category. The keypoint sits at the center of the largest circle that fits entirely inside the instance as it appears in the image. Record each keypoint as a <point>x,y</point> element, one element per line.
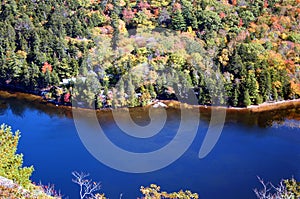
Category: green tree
<point>252,85</point>
<point>247,16</point>
<point>178,21</point>
<point>247,100</point>
<point>54,78</point>
<point>235,101</point>
<point>209,20</point>
<point>259,99</point>
<point>121,97</point>
<point>204,95</point>
<point>91,90</point>
<point>189,14</point>
<point>152,91</point>
<point>265,84</point>
<point>63,68</point>
<point>10,162</point>
<point>275,94</point>
<point>115,23</point>
<point>132,97</point>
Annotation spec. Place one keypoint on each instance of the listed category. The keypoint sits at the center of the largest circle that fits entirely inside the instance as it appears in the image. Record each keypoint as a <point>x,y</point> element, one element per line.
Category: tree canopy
<point>252,49</point>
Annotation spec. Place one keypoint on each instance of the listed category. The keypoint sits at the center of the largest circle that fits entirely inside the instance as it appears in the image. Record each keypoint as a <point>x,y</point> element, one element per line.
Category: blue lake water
<point>249,146</point>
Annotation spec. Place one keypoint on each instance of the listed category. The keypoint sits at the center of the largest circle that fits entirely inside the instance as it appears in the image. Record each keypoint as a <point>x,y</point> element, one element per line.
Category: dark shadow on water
<point>140,115</point>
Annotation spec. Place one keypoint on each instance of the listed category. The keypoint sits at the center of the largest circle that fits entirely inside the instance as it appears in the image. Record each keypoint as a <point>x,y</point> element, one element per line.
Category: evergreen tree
<point>252,86</point>
<point>247,100</point>
<point>235,101</point>
<point>259,100</point>
<point>275,94</point>
<point>189,14</point>
<point>47,79</point>
<point>63,68</point>
<point>122,94</point>
<point>34,74</point>
<point>91,91</point>
<point>26,77</point>
<point>11,163</point>
<point>132,98</point>
<point>54,78</point>
<point>204,95</point>
<point>265,85</point>
<point>178,21</point>
<point>115,23</point>
<point>152,91</point>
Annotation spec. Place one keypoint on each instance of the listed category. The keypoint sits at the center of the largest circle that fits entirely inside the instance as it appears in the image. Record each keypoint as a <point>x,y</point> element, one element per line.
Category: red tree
<point>46,67</point>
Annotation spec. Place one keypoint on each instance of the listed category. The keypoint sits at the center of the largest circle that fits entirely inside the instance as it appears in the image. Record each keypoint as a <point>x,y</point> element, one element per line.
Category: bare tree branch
<point>269,191</point>
<point>87,187</point>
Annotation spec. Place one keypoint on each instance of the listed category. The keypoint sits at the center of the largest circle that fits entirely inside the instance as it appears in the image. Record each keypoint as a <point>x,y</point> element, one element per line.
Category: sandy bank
<point>286,104</point>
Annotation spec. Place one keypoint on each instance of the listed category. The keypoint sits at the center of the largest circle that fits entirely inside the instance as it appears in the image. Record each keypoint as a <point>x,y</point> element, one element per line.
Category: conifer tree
<point>132,98</point>
<point>247,100</point>
<point>235,101</point>
<point>11,163</point>
<point>115,16</point>
<point>178,21</point>
<point>188,14</point>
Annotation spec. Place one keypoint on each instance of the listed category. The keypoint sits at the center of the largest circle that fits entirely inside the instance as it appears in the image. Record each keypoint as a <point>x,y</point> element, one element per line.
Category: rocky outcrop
<point>11,190</point>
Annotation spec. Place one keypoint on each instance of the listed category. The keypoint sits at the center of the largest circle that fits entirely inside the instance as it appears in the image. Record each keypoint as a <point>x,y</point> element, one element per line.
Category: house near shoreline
<point>67,81</point>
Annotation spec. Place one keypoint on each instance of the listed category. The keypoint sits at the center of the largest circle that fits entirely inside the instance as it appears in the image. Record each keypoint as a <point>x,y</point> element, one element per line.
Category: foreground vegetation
<point>287,189</point>
<point>250,48</point>
<point>15,180</point>
<point>89,189</point>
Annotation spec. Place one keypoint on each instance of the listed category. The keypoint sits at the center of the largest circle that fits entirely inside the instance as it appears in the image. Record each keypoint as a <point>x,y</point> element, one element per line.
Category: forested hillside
<point>250,47</point>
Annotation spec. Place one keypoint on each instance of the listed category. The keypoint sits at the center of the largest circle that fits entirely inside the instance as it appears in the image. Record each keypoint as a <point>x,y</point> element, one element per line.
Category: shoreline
<point>264,107</point>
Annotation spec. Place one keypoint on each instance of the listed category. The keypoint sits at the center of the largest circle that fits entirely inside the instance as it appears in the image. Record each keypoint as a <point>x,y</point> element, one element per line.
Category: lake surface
<point>251,145</point>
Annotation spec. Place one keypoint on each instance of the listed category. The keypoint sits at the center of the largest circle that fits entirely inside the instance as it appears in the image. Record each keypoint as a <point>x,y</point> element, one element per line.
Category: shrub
<point>153,192</point>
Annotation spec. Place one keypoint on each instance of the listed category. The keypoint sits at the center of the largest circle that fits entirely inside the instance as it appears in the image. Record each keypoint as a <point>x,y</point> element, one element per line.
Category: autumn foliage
<point>46,67</point>
<point>253,47</point>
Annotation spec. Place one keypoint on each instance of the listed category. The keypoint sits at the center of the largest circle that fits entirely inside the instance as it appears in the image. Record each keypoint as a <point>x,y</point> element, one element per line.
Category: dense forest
<point>238,52</point>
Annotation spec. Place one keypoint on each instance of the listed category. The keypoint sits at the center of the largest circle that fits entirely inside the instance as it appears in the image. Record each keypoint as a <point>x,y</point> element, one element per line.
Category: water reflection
<point>246,148</point>
<point>3,107</point>
<point>19,105</point>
